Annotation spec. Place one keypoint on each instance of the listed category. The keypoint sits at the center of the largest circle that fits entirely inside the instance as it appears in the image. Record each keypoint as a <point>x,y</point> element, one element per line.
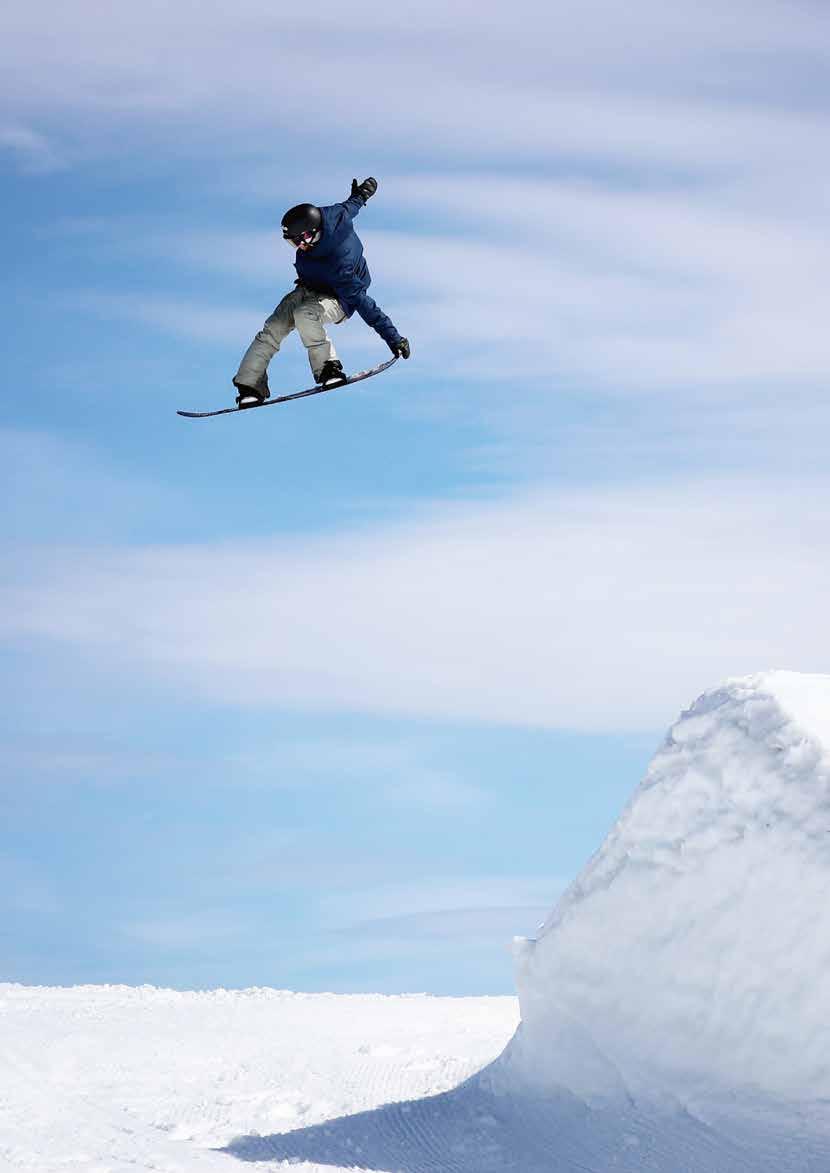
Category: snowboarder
<point>331,285</point>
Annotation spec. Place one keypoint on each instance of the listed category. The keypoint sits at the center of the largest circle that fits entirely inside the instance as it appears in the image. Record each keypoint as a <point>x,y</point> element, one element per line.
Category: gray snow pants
<point>301,309</point>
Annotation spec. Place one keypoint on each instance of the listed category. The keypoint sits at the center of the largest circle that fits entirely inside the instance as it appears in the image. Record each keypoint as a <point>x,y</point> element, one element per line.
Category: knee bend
<point>305,315</point>
<point>275,328</point>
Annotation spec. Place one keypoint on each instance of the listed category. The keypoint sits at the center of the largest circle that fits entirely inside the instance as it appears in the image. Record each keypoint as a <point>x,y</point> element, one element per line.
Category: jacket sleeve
<point>352,206</point>
<point>355,300</point>
<point>373,316</point>
<point>349,208</point>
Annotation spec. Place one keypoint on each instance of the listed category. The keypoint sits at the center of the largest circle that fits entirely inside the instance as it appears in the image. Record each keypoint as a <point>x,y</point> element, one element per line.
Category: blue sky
<point>341,695</point>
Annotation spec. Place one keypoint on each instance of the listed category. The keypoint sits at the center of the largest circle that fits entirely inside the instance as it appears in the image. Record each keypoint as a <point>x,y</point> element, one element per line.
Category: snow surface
<point>112,1079</point>
<point>675,1010</point>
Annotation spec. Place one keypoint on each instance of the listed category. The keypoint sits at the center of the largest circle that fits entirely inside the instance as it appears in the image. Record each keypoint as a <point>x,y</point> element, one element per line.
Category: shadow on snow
<point>475,1129</point>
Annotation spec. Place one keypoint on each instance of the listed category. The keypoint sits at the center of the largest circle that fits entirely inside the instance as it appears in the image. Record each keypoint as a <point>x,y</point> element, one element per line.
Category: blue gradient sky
<point>340,695</point>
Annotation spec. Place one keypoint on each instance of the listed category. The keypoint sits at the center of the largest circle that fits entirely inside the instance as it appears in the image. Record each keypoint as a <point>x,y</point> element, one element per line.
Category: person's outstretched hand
<point>366,189</point>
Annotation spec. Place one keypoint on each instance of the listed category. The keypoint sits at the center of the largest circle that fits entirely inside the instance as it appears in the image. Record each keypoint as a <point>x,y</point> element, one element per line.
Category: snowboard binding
<point>250,396</point>
<point>332,373</point>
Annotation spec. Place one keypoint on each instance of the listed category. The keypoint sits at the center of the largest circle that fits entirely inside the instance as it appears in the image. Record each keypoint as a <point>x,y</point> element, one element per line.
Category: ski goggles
<point>304,240</point>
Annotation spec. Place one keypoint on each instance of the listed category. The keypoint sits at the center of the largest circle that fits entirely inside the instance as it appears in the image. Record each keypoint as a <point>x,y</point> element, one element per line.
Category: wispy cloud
<point>601,609</point>
<point>462,926</point>
<point>433,895</point>
<point>57,488</point>
<point>32,152</point>
<point>200,930</point>
<point>50,759</point>
<point>178,317</point>
<point>457,914</point>
<point>399,773</point>
<point>530,77</point>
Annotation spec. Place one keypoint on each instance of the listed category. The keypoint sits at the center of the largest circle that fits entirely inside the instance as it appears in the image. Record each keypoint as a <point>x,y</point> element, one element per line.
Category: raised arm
<point>361,192</point>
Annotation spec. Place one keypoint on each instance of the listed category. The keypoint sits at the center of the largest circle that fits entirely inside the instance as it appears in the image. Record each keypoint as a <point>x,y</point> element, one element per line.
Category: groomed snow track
<point>475,1130</point>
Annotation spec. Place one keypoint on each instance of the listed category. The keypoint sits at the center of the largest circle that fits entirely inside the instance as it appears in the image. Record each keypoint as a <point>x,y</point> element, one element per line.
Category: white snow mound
<point>690,961</point>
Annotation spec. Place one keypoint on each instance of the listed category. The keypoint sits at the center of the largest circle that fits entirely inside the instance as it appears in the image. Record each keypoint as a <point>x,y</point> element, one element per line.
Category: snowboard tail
<point>358,378</point>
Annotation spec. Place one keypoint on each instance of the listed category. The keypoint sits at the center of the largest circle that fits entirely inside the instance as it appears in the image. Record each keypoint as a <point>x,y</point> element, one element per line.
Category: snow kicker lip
<point>358,378</point>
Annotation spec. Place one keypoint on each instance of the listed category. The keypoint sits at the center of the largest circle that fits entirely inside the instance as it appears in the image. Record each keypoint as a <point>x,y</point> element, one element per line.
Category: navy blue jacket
<point>336,266</point>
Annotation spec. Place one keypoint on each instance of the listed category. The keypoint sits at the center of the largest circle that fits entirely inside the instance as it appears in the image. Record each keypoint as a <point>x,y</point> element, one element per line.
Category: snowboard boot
<point>332,373</point>
<point>251,396</point>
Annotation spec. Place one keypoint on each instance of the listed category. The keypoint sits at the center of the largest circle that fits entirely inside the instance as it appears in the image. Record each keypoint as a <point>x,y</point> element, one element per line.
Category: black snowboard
<point>359,377</point>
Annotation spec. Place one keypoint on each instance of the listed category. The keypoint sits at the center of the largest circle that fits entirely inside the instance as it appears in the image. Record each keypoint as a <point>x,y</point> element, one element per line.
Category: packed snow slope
<point>688,967</point>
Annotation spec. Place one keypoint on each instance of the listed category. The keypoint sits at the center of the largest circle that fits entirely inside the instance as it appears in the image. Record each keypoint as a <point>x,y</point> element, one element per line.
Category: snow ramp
<point>686,973</point>
<point>676,1004</point>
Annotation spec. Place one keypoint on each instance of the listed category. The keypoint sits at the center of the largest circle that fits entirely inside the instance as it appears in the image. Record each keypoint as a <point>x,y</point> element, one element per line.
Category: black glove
<point>366,189</point>
<point>400,347</point>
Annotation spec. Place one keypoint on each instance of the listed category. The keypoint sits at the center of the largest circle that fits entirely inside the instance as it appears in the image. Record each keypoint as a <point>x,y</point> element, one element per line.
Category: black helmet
<point>299,221</point>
